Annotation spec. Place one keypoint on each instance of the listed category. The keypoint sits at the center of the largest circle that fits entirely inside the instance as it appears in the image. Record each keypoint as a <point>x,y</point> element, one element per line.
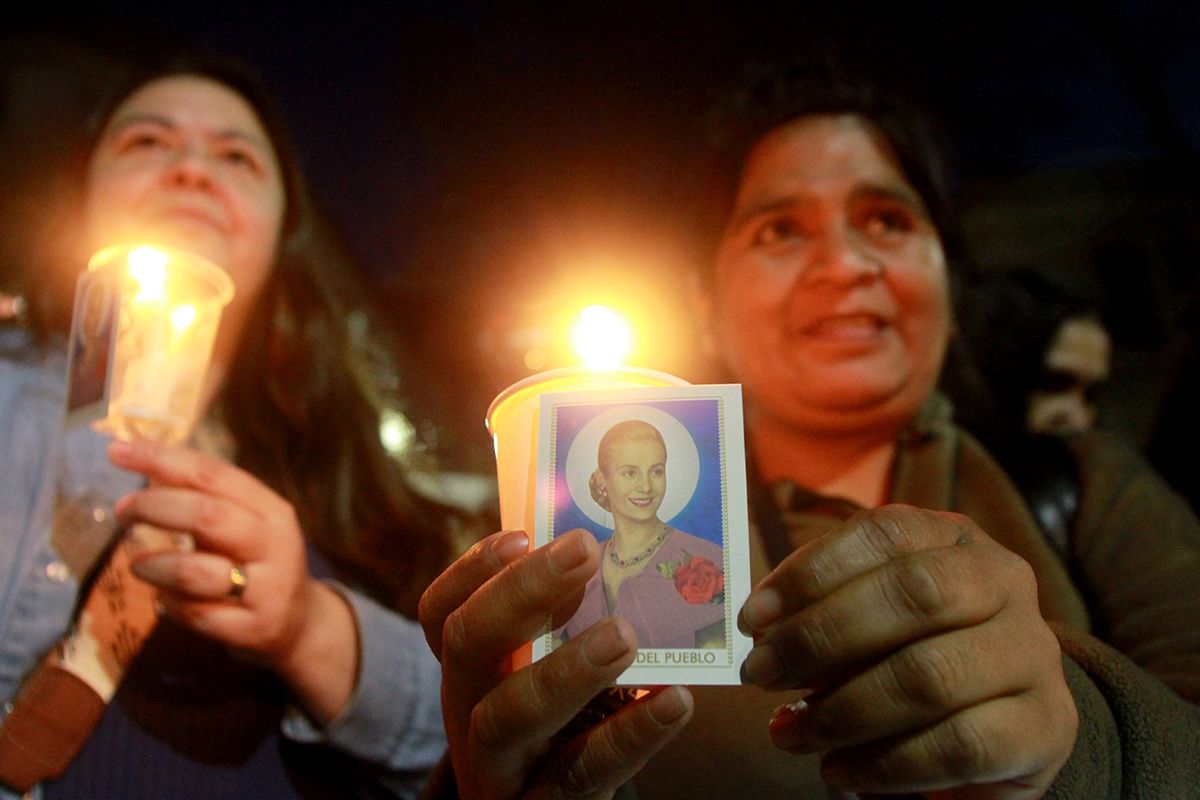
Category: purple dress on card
<point>661,615</point>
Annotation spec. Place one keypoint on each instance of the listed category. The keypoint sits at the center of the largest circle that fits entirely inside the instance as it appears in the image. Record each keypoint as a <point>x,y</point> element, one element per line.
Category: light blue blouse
<point>394,717</point>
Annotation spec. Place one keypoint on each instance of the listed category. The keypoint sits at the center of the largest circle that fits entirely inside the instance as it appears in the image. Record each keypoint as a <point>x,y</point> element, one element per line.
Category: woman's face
<point>184,161</point>
<point>830,298</point>
<point>636,479</point>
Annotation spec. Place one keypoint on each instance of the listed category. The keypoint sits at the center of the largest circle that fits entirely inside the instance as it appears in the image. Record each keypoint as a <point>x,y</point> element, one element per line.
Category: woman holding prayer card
<point>914,632</point>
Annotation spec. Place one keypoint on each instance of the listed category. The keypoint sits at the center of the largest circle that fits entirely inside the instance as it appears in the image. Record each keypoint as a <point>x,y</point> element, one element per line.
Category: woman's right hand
<point>500,726</point>
<point>934,670</point>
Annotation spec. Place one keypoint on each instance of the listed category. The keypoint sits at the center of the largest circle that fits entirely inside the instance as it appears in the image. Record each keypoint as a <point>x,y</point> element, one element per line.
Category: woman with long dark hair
<point>282,666</point>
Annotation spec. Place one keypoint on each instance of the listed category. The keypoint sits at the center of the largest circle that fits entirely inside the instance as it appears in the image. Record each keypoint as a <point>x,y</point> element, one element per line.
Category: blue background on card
<point>702,514</point>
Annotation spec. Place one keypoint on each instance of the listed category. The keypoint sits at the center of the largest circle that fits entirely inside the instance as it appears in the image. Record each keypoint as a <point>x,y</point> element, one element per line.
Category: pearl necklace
<point>640,557</point>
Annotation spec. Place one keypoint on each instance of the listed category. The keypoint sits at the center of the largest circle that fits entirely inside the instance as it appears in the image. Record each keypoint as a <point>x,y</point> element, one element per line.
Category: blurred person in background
<point>1040,351</point>
<point>1074,366</point>
<point>1023,371</point>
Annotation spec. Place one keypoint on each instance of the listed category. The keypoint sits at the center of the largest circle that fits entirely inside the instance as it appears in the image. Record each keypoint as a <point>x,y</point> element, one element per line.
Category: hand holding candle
<point>503,592</point>
<point>144,322</point>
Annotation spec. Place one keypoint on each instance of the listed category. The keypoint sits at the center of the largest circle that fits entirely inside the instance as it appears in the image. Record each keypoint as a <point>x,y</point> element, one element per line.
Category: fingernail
<point>146,538</point>
<point>510,546</point>
<point>122,505</point>
<point>153,570</point>
<point>762,667</point>
<point>792,710</point>
<point>668,705</point>
<point>607,643</point>
<point>120,452</point>
<point>788,729</point>
<point>567,552</point>
<point>761,609</point>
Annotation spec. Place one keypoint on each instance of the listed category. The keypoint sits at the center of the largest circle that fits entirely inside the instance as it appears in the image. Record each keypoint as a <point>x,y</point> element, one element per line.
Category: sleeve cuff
<point>394,716</point>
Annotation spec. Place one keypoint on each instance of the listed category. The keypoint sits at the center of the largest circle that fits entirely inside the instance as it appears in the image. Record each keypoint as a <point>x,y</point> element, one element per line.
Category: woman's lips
<point>188,213</point>
<point>195,216</point>
<point>851,327</point>
<point>641,502</point>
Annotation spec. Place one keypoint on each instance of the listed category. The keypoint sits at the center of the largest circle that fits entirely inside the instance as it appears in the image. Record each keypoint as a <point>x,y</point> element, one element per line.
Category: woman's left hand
<point>929,665</point>
<point>275,611</point>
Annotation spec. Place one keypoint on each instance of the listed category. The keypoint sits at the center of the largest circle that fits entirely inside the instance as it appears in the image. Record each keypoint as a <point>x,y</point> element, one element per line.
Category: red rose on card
<point>698,580</point>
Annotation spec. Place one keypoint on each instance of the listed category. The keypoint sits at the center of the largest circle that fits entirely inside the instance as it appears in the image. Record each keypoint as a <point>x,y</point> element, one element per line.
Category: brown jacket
<point>1132,577</point>
<point>1126,609</point>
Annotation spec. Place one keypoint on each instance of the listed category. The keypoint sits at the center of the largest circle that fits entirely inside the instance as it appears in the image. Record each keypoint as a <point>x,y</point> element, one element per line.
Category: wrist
<point>321,666</point>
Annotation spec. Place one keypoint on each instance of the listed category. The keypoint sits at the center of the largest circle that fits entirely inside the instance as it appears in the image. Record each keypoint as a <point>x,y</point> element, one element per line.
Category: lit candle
<point>170,307</point>
<point>148,378</point>
<point>602,339</point>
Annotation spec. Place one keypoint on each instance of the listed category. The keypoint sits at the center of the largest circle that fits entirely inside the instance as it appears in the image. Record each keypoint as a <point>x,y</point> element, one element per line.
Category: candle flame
<point>148,268</point>
<point>602,337</point>
<point>182,317</point>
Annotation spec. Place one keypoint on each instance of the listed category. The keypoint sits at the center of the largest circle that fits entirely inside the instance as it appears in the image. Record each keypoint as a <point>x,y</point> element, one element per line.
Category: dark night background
<point>491,163</point>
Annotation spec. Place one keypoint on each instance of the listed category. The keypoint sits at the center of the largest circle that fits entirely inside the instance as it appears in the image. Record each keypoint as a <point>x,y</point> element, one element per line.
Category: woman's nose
<point>839,257</point>
<point>189,167</point>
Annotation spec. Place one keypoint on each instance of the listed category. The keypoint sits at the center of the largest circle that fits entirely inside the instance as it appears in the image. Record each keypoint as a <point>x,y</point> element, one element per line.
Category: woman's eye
<point>777,230</point>
<point>142,140</point>
<point>240,158</point>
<point>882,223</point>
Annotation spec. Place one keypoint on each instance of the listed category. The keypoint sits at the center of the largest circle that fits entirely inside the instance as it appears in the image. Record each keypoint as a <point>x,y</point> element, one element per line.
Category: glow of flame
<point>148,268</point>
<point>602,337</point>
<point>182,317</point>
